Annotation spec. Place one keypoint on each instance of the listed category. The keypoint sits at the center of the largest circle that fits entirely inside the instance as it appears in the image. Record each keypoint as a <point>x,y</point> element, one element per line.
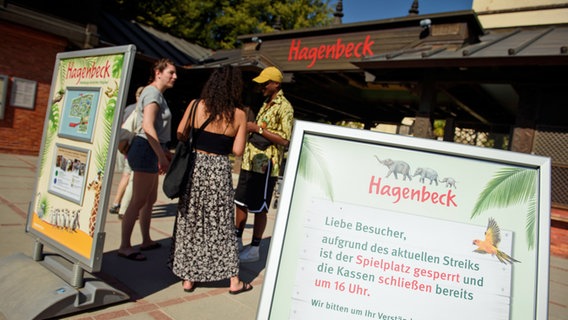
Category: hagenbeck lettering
<point>90,72</point>
<point>422,194</point>
<point>333,51</point>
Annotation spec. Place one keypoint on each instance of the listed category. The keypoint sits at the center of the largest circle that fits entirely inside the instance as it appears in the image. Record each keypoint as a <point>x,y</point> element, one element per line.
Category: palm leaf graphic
<point>117,66</point>
<point>312,165</point>
<point>108,116</point>
<point>52,126</point>
<point>102,148</point>
<point>511,186</point>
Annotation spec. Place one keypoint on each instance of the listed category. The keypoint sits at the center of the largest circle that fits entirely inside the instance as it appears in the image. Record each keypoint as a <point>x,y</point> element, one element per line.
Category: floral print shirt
<point>276,117</point>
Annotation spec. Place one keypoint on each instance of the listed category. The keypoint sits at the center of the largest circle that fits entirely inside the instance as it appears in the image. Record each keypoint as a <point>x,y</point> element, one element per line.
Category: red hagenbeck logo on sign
<point>334,51</point>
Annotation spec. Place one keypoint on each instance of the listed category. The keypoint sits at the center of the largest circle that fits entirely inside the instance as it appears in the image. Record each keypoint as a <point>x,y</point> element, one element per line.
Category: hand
<point>163,164</point>
<point>169,155</point>
<point>252,127</point>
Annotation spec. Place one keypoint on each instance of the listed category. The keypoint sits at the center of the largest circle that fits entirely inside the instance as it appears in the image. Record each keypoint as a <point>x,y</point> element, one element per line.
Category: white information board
<point>381,226</point>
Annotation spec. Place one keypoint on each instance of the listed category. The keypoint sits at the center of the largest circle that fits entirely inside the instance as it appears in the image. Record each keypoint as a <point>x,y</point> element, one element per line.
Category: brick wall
<point>28,54</point>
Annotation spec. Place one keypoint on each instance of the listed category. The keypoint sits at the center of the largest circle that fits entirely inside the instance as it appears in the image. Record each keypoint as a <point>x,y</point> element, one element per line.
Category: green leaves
<point>312,166</point>
<point>216,24</point>
<point>508,187</point>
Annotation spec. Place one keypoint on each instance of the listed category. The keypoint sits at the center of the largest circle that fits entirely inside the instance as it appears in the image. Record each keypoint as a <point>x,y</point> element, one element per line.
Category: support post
<point>38,251</point>
<point>77,280</point>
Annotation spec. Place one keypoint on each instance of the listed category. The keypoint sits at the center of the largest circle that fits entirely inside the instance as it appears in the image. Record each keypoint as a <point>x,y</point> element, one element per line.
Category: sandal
<point>246,287</point>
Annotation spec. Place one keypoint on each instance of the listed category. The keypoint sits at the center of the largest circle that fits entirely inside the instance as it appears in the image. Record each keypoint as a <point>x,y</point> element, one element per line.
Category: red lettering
<point>314,56</point>
<point>339,49</point>
<point>367,51</point>
<point>321,52</point>
<point>293,52</point>
<point>303,54</point>
<point>90,72</point>
<point>374,184</point>
<point>335,51</point>
<point>357,48</point>
<point>423,195</point>
<point>349,50</point>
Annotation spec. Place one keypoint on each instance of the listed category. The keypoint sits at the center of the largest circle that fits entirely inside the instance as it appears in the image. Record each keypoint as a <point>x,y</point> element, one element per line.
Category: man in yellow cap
<point>262,159</point>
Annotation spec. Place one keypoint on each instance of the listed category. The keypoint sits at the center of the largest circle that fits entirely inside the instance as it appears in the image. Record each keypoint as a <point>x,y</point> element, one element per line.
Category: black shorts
<point>141,157</point>
<point>254,190</point>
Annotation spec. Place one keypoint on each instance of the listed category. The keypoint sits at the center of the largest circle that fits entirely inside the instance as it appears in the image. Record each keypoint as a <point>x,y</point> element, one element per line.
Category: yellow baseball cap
<point>269,74</point>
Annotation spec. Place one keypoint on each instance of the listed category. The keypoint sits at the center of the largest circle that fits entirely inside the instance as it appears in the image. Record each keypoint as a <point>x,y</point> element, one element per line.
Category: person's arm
<point>273,137</point>
<point>182,133</point>
<point>241,136</point>
<point>149,116</point>
<point>282,135</point>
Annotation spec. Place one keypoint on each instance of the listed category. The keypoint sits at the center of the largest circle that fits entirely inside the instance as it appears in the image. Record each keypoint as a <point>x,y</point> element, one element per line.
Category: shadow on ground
<point>251,270</point>
<point>164,210</point>
<point>139,279</point>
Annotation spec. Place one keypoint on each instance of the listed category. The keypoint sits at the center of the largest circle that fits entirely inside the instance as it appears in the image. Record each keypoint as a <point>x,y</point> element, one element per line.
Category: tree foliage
<point>216,24</point>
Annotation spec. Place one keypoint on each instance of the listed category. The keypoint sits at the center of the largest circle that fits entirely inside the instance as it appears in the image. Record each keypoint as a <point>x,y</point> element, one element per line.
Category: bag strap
<point>136,125</point>
<point>191,121</point>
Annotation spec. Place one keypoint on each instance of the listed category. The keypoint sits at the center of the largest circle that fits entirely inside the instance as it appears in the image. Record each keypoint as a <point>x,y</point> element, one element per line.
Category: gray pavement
<point>154,292</point>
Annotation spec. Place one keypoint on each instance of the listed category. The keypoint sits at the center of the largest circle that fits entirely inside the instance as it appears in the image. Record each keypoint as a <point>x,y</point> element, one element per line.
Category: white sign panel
<point>379,226</point>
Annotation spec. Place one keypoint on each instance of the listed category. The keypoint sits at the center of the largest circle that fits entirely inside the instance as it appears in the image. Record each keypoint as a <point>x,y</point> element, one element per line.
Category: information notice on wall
<point>378,226</point>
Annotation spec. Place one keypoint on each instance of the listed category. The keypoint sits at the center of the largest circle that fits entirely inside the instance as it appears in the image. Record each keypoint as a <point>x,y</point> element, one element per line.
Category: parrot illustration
<point>489,245</point>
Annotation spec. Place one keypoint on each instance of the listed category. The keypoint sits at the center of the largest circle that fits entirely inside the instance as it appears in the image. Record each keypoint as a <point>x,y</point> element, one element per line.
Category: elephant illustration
<point>427,173</point>
<point>396,167</point>
<point>450,182</point>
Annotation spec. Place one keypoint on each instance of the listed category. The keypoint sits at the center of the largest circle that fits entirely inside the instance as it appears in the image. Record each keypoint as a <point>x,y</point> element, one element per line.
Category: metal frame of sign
<point>72,221</point>
<point>375,225</point>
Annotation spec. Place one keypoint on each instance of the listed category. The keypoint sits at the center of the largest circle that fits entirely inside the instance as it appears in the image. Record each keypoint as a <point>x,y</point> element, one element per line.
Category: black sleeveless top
<point>213,142</point>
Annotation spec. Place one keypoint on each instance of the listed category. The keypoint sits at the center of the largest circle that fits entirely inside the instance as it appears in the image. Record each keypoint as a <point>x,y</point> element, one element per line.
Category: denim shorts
<point>141,157</point>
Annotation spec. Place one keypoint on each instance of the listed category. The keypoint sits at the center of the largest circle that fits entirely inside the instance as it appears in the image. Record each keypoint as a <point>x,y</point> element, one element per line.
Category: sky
<point>366,10</point>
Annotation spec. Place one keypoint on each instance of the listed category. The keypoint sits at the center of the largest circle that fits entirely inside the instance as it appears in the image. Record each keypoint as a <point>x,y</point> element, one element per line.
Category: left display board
<point>88,91</point>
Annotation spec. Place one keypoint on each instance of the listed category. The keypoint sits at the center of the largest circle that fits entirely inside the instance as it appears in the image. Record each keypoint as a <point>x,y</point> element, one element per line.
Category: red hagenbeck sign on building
<point>335,51</point>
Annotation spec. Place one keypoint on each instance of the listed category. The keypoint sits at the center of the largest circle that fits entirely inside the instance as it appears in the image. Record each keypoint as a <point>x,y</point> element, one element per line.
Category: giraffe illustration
<point>96,186</point>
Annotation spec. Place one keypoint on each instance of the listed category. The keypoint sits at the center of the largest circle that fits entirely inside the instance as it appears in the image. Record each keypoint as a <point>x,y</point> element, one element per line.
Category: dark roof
<point>149,41</point>
<point>476,83</point>
<point>467,16</point>
<point>508,47</point>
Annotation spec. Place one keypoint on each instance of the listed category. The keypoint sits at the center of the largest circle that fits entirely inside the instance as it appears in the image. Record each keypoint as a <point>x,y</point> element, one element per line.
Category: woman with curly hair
<point>204,248</point>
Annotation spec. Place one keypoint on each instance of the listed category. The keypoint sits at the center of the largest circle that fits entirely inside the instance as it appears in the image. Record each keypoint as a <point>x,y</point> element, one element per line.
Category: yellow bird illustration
<point>489,245</point>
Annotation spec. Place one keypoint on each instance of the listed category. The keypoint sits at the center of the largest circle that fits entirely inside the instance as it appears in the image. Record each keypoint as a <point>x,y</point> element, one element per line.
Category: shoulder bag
<point>128,131</point>
<point>181,167</point>
<point>258,141</point>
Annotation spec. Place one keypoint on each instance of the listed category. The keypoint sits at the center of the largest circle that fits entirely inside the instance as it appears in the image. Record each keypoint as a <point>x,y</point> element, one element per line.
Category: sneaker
<point>240,244</point>
<point>250,254</point>
<point>114,208</point>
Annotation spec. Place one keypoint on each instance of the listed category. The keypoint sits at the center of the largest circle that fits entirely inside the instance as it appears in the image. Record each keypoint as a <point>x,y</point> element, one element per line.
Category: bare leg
<point>259,225</point>
<point>121,188</point>
<point>241,217</point>
<point>141,184</point>
<point>127,195</point>
<point>145,217</point>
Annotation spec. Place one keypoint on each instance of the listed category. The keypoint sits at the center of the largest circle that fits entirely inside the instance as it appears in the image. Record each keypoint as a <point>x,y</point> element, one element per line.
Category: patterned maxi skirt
<point>205,245</point>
